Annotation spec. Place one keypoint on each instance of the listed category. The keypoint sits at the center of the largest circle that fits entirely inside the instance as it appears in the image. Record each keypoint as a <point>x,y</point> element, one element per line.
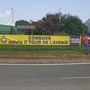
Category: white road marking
<point>52,64</point>
<point>63,78</point>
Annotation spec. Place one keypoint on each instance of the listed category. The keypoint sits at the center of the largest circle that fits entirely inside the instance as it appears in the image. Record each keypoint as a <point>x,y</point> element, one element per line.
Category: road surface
<point>45,77</point>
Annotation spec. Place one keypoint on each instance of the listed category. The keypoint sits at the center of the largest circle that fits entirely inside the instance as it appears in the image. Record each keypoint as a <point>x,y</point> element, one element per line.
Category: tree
<point>22,22</point>
<point>12,31</point>
<point>50,24</point>
<point>74,26</point>
<point>38,30</point>
<point>58,23</point>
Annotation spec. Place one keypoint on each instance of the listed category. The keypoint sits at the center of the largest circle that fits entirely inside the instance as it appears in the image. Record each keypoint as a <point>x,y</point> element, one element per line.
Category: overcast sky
<point>36,9</point>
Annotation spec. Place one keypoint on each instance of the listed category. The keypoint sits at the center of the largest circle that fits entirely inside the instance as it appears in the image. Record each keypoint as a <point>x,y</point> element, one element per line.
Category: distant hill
<point>87,23</point>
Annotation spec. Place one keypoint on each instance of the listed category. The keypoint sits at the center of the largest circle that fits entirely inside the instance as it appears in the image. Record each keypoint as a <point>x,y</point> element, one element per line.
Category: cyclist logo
<point>3,39</point>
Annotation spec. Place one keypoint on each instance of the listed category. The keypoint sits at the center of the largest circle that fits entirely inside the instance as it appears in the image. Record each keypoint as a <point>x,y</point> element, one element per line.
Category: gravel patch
<point>41,61</point>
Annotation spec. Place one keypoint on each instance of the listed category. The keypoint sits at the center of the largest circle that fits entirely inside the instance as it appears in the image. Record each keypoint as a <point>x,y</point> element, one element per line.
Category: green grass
<point>42,51</point>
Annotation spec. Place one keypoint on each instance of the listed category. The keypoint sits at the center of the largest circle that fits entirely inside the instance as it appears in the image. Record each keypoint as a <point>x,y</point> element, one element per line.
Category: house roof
<point>26,27</point>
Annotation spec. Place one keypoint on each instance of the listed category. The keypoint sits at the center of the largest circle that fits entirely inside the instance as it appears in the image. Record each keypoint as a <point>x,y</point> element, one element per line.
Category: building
<point>7,29</point>
<point>13,30</point>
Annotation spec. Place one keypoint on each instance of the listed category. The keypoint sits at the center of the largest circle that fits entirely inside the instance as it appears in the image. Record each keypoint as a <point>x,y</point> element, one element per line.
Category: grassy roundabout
<point>68,52</point>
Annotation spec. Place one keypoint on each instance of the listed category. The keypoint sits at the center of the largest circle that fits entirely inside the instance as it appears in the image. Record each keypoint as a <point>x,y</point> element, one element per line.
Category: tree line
<point>56,24</point>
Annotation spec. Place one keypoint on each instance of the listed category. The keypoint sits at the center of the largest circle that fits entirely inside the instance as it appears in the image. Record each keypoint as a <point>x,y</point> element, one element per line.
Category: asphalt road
<point>45,77</point>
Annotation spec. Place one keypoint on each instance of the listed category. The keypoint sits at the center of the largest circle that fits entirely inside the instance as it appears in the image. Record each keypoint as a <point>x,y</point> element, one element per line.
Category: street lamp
<point>12,16</point>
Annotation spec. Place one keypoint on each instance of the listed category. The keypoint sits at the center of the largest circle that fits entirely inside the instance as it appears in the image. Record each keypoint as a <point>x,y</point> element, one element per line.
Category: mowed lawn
<point>18,51</point>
